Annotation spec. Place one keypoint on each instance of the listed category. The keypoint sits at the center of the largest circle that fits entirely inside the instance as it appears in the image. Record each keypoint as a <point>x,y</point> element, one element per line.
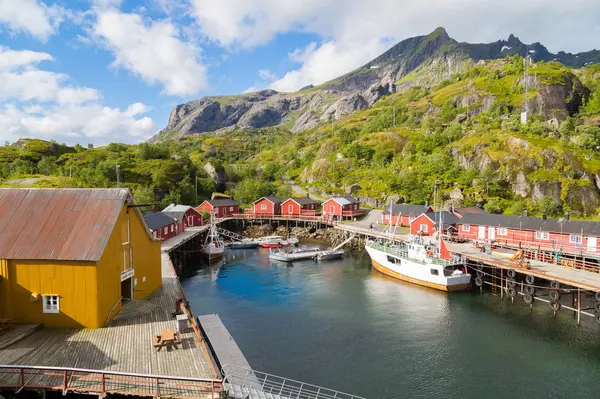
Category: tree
<point>494,205</point>
<point>47,166</point>
<point>144,195</point>
<point>548,206</point>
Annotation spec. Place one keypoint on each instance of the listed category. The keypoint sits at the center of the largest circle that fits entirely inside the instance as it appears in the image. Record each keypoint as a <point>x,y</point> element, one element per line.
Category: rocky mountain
<point>423,60</point>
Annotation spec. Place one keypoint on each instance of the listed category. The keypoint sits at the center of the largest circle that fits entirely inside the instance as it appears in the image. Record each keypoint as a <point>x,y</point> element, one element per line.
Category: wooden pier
<point>124,346</point>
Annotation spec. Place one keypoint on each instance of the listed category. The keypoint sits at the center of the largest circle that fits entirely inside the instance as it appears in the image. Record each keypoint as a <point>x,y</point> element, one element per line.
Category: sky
<point>99,71</point>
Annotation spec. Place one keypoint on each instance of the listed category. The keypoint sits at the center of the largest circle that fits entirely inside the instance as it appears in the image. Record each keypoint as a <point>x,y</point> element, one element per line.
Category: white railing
<point>241,382</point>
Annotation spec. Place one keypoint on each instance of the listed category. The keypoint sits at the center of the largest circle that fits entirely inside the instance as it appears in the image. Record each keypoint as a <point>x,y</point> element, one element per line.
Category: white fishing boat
<point>330,254</point>
<point>293,254</point>
<point>214,247</point>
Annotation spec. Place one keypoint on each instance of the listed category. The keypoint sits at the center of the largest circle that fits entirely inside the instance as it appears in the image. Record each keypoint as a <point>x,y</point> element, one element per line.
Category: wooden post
<point>501,284</point>
<point>578,307</point>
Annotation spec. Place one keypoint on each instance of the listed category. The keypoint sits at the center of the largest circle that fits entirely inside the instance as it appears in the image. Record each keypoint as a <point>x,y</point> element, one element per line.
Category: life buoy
<point>511,273</point>
<point>554,296</point>
<point>529,290</point>
<point>511,283</point>
<point>478,281</point>
<point>556,285</point>
<point>479,274</point>
<point>529,279</point>
<point>512,292</point>
<point>528,299</point>
<point>480,267</point>
<point>555,306</point>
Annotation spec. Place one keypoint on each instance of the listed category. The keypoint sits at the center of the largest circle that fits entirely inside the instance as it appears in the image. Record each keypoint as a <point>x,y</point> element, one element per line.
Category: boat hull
<point>239,245</point>
<point>418,273</point>
<point>271,245</point>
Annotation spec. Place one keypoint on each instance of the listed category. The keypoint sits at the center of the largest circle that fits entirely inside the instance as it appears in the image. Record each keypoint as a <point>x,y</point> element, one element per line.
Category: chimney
<point>525,213</point>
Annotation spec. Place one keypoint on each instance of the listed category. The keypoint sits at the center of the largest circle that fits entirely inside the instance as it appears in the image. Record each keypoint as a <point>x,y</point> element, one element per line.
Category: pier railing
<point>103,383</point>
<point>241,382</point>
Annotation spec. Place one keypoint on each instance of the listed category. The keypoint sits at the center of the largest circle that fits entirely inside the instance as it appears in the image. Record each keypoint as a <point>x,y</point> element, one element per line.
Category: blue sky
<point>96,71</point>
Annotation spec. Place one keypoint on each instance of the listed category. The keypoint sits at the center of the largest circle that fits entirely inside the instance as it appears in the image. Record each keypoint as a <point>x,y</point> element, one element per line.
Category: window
<point>393,260</point>
<point>502,231</point>
<point>542,235</point>
<point>387,217</point>
<point>423,228</point>
<point>230,209</point>
<point>166,230</point>
<point>50,304</point>
<point>574,239</point>
<point>331,209</point>
<point>291,208</point>
<point>172,228</point>
<point>435,272</point>
<point>466,227</point>
<point>263,207</point>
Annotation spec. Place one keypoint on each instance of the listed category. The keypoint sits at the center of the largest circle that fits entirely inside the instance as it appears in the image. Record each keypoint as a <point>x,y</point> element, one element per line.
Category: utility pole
<point>525,111</point>
<point>117,166</point>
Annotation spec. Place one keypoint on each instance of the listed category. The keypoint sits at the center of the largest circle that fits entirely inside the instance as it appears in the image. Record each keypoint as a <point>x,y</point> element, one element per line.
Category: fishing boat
<point>294,253</point>
<point>214,247</point>
<point>246,243</point>
<point>420,262</point>
<point>330,254</point>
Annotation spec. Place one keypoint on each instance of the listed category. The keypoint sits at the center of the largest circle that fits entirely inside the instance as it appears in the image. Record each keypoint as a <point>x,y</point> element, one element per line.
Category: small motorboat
<point>247,243</point>
<point>294,254</point>
<point>330,254</point>
<point>273,242</point>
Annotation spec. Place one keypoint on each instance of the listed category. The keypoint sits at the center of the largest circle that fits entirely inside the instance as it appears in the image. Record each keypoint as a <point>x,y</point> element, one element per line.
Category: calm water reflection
<point>345,326</point>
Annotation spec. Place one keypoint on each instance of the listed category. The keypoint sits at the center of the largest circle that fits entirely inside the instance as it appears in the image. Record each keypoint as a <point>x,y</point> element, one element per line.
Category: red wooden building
<point>342,207</point>
<point>270,205</point>
<point>427,224</point>
<point>565,235</point>
<point>163,226</point>
<point>403,214</point>
<point>220,207</point>
<point>300,206</point>
<point>185,213</point>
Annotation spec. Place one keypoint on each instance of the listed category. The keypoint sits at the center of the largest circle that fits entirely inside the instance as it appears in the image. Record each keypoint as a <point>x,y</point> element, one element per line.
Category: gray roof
<point>157,220</point>
<point>406,209</point>
<point>273,198</point>
<point>534,224</point>
<point>303,200</point>
<point>447,217</point>
<point>469,209</point>
<point>222,202</point>
<point>177,211</point>
<point>345,200</point>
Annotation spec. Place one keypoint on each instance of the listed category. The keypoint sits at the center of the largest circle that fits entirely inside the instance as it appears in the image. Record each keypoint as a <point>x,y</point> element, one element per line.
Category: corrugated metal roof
<point>345,200</point>
<point>469,209</point>
<point>303,200</point>
<point>157,220</point>
<point>534,224</point>
<point>406,209</point>
<point>58,224</point>
<point>177,211</point>
<point>447,217</point>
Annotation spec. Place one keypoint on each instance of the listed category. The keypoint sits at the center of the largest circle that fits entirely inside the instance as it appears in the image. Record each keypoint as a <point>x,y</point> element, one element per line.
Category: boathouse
<point>185,213</point>
<point>220,207</point>
<point>342,207</point>
<point>300,206</point>
<point>556,234</point>
<point>428,223</point>
<point>163,226</point>
<point>69,258</point>
<point>270,205</point>
<point>403,214</point>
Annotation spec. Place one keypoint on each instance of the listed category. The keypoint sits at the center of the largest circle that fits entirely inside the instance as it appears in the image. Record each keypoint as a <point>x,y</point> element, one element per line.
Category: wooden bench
<point>167,338</point>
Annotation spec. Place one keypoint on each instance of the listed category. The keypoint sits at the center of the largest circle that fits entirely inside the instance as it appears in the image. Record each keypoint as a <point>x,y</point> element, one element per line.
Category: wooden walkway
<point>574,277</point>
<point>174,242</point>
<point>123,346</point>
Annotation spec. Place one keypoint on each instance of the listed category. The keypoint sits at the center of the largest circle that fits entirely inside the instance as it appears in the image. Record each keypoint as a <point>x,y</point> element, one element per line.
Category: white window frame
<point>172,228</point>
<point>166,230</point>
<point>386,217</point>
<point>466,228</point>
<point>263,207</point>
<point>575,239</point>
<point>290,208</point>
<point>424,228</point>
<point>542,235</point>
<point>51,304</point>
<point>502,231</point>
<point>230,209</point>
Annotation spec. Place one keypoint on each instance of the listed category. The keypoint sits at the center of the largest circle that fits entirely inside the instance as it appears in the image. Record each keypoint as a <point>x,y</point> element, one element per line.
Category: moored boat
<point>273,242</point>
<point>247,243</point>
<point>214,247</point>
<point>294,254</point>
<point>330,254</point>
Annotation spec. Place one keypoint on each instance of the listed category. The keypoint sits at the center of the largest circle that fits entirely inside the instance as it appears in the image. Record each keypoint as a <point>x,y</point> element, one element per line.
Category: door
<point>190,220</point>
<point>127,289</point>
<point>491,233</point>
<point>481,232</point>
<point>592,243</point>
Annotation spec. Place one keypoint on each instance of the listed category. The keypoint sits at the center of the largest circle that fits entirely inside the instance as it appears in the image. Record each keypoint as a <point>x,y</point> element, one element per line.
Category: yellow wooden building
<point>73,257</point>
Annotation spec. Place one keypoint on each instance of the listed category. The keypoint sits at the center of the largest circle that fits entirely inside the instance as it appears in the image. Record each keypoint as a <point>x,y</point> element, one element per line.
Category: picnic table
<point>168,338</point>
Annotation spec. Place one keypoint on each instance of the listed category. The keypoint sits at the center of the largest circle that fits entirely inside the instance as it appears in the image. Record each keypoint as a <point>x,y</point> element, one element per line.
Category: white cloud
<point>328,61</point>
<point>151,50</point>
<point>31,17</point>
<point>267,75</point>
<point>39,103</point>
<point>353,31</point>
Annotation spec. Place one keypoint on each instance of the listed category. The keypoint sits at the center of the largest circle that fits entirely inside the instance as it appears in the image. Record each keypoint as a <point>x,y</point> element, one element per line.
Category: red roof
<point>58,224</point>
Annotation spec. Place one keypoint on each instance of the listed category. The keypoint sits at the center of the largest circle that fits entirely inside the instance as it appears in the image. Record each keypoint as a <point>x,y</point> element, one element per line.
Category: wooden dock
<point>222,343</point>
<point>125,345</point>
<point>189,234</point>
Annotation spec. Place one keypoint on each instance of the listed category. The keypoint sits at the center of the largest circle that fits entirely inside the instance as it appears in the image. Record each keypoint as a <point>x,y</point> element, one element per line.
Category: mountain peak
<point>439,32</point>
<point>513,40</point>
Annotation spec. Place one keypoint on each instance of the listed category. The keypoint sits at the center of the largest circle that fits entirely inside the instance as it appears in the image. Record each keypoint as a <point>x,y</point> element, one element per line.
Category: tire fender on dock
<point>529,279</point>
<point>554,296</point>
<point>529,289</point>
<point>528,298</point>
<point>511,273</point>
<point>555,306</point>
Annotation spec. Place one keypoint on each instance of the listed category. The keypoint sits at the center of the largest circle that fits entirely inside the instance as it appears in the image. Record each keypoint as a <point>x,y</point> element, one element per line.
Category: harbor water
<point>342,325</point>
